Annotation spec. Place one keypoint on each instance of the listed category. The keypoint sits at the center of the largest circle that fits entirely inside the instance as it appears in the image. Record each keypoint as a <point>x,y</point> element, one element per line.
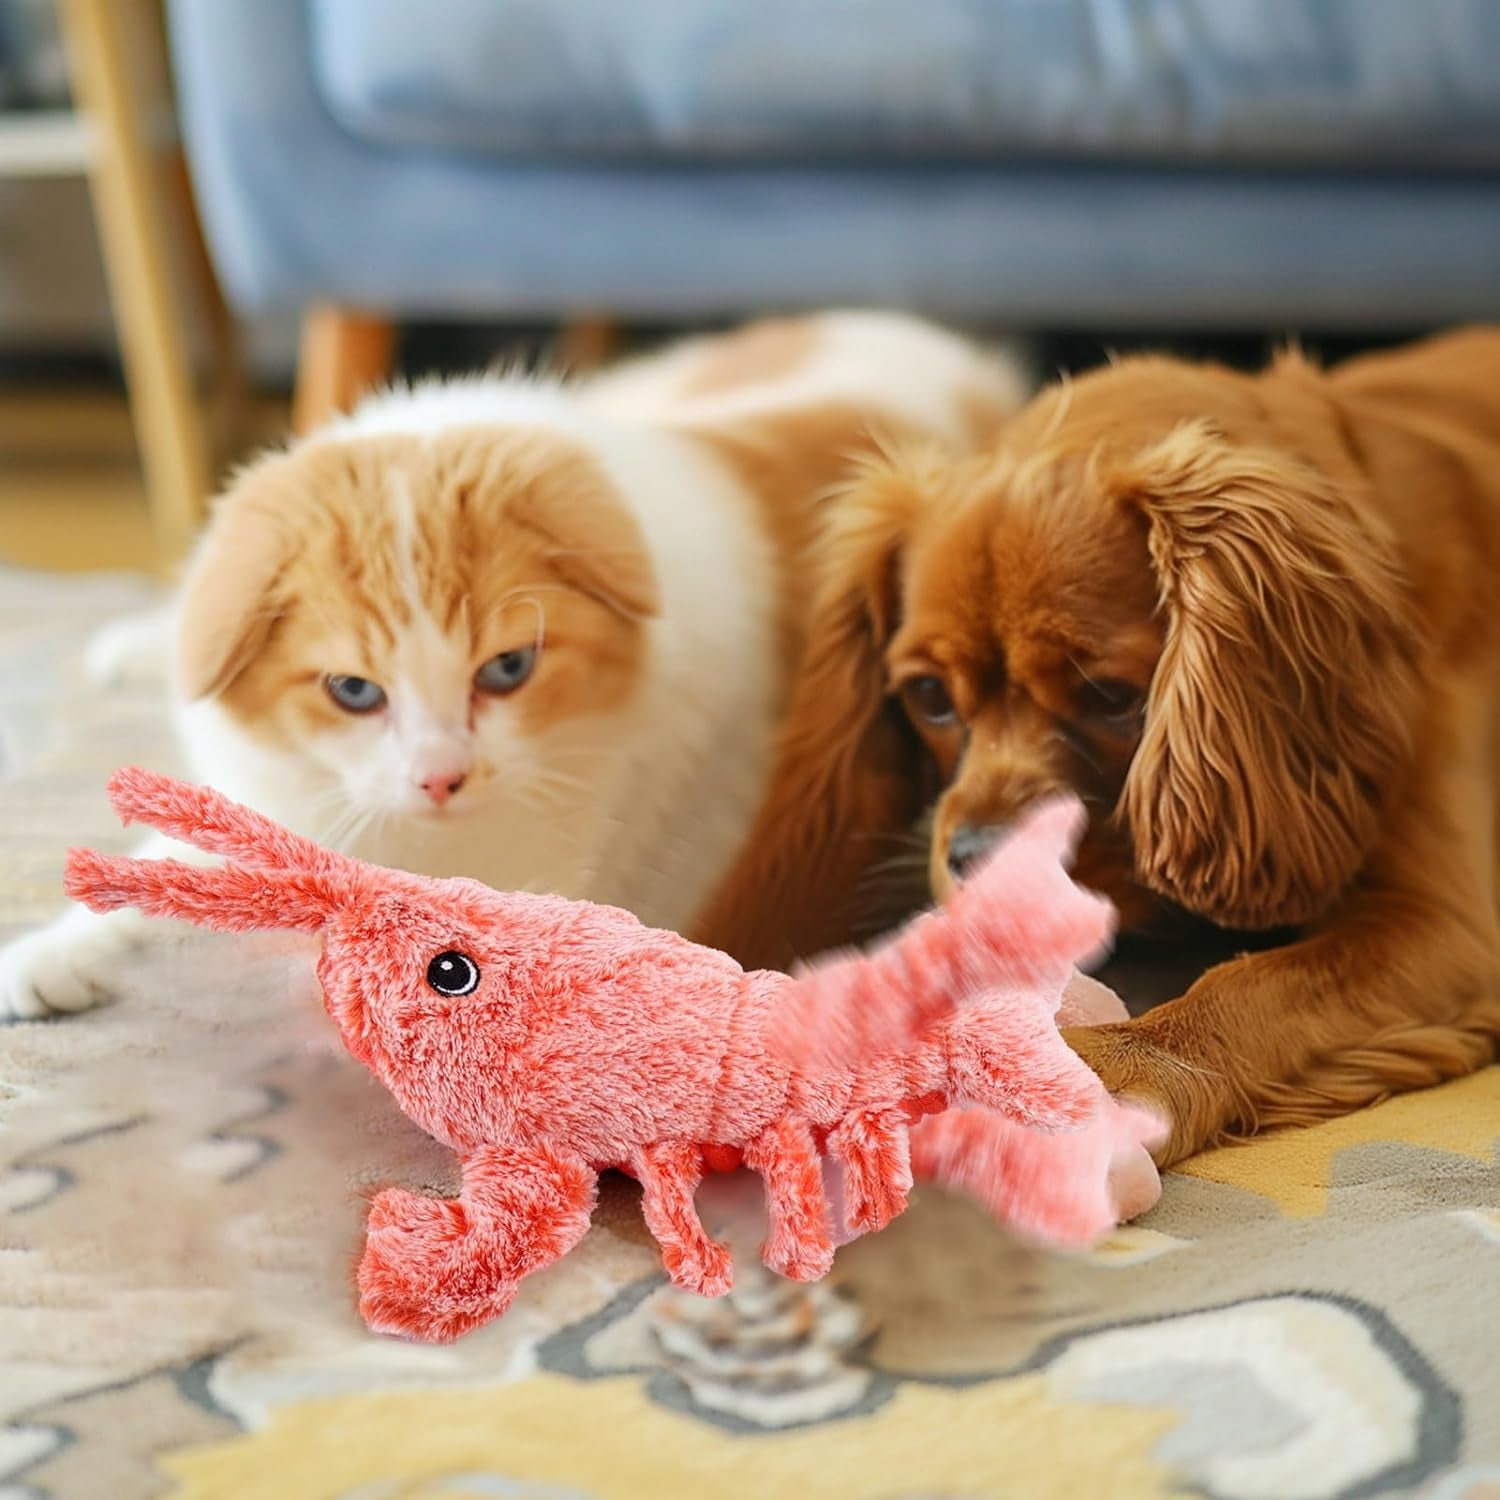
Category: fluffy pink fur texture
<point>545,1040</point>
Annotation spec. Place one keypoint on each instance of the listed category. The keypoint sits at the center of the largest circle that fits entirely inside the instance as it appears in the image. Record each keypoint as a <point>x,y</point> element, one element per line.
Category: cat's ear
<point>228,600</point>
<point>589,535</point>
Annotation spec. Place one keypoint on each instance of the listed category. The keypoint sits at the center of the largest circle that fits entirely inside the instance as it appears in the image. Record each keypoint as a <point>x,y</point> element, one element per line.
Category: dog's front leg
<point>1371,1006</point>
<point>1397,988</point>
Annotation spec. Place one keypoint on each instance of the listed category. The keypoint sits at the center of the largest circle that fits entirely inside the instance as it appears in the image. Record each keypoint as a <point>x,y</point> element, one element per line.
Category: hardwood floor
<point>72,495</point>
<point>74,518</point>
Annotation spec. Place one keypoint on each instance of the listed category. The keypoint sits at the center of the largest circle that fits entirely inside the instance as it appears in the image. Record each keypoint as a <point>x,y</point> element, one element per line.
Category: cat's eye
<point>506,672</point>
<point>1110,702</point>
<point>453,973</point>
<point>355,695</point>
<point>927,700</point>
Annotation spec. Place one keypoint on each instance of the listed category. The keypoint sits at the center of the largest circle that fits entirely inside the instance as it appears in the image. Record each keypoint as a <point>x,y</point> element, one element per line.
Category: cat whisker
<point>551,780</point>
<point>346,828</point>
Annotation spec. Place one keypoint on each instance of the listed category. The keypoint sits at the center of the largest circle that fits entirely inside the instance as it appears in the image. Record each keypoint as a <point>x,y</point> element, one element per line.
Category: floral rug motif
<point>183,1176</point>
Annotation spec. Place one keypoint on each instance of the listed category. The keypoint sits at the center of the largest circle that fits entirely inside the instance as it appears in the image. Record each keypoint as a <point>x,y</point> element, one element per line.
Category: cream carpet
<point>182,1180</point>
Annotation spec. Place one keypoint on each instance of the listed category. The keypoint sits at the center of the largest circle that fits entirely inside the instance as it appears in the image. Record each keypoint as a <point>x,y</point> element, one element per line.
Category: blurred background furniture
<point>1173,164</point>
<point>1106,169</point>
<point>119,132</point>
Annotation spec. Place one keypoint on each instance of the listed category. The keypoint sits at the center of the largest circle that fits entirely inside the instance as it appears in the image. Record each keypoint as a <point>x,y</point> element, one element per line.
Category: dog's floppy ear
<point>227,604</point>
<point>847,769</point>
<point>1282,707</point>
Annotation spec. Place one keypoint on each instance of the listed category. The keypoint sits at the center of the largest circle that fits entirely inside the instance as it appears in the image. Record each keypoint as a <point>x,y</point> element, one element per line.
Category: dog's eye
<point>453,973</point>
<point>927,699</point>
<point>1111,702</point>
<point>355,695</point>
<point>506,672</point>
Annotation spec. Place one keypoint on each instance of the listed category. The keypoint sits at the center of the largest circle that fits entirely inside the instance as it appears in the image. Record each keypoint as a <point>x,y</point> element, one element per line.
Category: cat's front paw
<point>131,649</point>
<point>66,966</point>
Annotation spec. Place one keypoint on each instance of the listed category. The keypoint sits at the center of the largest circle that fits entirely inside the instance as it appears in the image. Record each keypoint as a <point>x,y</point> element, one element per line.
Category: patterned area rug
<point>184,1175</point>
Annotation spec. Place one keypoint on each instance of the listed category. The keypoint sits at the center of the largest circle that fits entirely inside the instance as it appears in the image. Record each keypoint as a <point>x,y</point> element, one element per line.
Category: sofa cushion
<point>1266,81</point>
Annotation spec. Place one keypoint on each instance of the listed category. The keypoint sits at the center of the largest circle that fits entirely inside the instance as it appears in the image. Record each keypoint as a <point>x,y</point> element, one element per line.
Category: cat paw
<point>56,969</point>
<point>131,649</point>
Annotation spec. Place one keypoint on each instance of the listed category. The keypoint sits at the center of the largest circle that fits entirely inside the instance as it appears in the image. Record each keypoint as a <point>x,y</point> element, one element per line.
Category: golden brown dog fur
<point>1251,621</point>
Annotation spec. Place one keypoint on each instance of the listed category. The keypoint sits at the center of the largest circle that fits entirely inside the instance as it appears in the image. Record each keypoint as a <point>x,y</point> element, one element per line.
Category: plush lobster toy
<point>546,1040</point>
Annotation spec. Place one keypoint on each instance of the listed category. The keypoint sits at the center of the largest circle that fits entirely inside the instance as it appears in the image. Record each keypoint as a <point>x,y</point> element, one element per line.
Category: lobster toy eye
<point>453,973</point>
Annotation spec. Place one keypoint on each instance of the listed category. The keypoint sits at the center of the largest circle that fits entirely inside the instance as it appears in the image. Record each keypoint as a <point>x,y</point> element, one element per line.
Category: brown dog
<point>1252,621</point>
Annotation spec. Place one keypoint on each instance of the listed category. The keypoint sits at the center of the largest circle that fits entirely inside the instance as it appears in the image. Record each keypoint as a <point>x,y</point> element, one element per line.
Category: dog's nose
<point>443,784</point>
<point>970,843</point>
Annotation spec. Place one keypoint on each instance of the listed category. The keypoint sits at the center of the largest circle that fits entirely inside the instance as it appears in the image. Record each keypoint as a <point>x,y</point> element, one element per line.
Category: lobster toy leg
<point>434,1268</point>
<point>799,1245</point>
<point>669,1173</point>
<point>873,1147</point>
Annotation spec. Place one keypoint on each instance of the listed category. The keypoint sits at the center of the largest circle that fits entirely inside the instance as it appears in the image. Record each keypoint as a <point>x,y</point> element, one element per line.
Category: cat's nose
<point>443,784</point>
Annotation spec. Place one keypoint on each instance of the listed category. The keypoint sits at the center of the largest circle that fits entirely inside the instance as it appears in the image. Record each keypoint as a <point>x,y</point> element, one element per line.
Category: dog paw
<point>1135,1069</point>
<point>1134,1182</point>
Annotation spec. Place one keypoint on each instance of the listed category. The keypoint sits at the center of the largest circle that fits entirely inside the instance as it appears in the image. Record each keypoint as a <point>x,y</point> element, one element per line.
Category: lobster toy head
<point>401,954</point>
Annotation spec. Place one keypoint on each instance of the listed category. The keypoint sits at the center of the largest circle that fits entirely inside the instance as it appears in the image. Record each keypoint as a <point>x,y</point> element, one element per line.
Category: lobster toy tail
<point>1020,923</point>
<point>1021,916</point>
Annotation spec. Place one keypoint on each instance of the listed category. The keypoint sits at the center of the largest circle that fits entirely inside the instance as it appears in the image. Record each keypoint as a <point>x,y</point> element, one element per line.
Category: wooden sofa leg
<point>584,343</point>
<point>343,354</point>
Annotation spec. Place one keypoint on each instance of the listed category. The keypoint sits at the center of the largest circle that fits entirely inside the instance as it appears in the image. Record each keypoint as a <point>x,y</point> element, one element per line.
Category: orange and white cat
<point>531,632</point>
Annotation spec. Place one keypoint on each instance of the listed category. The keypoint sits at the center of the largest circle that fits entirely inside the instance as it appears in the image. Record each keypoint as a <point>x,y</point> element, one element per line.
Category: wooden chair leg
<point>586,343</point>
<point>227,403</point>
<point>119,79</point>
<point>343,354</point>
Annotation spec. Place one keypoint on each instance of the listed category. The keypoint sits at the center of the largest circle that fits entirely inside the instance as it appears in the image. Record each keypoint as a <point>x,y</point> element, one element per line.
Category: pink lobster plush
<point>545,1040</point>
